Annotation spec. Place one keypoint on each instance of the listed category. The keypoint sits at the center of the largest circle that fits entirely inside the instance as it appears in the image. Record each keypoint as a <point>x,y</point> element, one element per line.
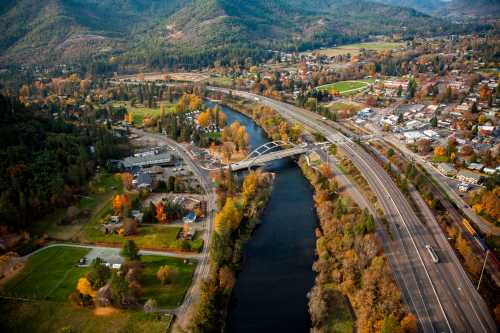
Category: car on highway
<point>432,253</point>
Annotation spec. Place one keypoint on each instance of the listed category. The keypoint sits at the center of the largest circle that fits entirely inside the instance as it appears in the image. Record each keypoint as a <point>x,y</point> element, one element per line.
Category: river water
<point>271,289</point>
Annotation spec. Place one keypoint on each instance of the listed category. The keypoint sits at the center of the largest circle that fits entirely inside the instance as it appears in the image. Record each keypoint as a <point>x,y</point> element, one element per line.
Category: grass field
<point>354,49</point>
<point>140,111</point>
<point>344,87</point>
<point>51,274</point>
<point>171,295</point>
<point>50,317</point>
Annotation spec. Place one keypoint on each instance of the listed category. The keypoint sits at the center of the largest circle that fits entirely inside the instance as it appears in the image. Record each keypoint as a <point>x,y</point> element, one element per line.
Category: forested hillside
<point>44,162</point>
<point>190,32</point>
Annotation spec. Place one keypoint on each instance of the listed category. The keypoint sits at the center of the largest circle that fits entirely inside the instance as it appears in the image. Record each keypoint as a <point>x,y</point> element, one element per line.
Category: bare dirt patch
<point>105,311</point>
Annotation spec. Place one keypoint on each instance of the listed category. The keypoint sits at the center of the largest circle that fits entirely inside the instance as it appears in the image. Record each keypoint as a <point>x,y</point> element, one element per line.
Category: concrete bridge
<point>272,151</point>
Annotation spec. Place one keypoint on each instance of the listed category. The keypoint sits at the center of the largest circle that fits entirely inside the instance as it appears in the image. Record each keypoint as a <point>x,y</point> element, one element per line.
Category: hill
<point>190,32</point>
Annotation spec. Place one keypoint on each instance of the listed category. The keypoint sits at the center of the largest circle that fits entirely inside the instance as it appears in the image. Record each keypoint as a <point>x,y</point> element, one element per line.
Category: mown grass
<point>140,111</point>
<point>51,317</point>
<point>51,274</point>
<point>170,295</point>
<point>345,86</point>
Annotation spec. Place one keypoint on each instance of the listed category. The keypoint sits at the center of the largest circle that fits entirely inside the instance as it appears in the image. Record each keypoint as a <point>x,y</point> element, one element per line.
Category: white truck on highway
<point>432,253</point>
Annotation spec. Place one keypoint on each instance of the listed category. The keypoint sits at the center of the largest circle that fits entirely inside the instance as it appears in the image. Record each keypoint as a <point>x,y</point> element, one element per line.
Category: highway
<point>440,295</point>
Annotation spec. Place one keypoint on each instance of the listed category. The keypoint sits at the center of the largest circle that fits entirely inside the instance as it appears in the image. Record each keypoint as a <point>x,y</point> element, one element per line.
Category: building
<point>145,161</point>
<point>447,169</point>
<point>475,166</point>
<point>470,177</point>
<point>412,137</point>
<point>144,181</point>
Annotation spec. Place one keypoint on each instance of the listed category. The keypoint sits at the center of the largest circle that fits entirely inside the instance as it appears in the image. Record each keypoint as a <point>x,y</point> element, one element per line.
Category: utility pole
<point>482,271</point>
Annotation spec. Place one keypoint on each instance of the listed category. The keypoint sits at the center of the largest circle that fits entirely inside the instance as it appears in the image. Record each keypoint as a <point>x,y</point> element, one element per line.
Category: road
<point>203,267</point>
<point>95,247</point>
<point>440,295</point>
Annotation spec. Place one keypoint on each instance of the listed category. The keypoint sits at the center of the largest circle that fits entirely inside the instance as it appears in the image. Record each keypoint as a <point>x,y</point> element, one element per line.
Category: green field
<point>51,317</point>
<point>171,295</point>
<point>51,274</point>
<point>344,87</point>
<point>340,319</point>
<point>139,111</point>
<point>354,49</point>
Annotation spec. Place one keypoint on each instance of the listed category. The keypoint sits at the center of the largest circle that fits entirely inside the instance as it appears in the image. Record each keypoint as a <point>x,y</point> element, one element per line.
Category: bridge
<point>272,151</point>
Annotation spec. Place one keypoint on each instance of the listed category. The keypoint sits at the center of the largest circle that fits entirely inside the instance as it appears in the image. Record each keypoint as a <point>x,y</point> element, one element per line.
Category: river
<point>271,289</point>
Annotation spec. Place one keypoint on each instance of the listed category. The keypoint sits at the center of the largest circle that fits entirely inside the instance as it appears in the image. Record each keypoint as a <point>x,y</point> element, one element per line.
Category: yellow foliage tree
<point>439,151</point>
<point>83,286</point>
<point>228,218</point>
<point>204,119</point>
<point>250,185</point>
<point>117,204</point>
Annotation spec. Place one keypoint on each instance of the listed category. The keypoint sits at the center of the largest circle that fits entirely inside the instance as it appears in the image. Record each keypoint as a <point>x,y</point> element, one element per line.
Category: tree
<point>130,251</point>
<point>204,119</point>
<point>227,280</point>
<point>161,214</point>
<point>99,274</point>
<point>439,151</point>
<point>434,122</point>
<point>409,323</point>
<point>250,185</point>
<point>166,274</point>
<point>228,218</point>
<point>127,179</point>
<point>85,288</point>
<point>130,227</point>
<point>117,204</point>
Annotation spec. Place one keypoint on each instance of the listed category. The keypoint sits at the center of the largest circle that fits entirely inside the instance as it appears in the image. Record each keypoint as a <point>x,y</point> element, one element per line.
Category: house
<point>189,218</point>
<point>412,137</point>
<point>447,169</point>
<point>470,177</point>
<point>489,171</point>
<point>144,181</point>
<point>115,219</point>
<point>137,215</point>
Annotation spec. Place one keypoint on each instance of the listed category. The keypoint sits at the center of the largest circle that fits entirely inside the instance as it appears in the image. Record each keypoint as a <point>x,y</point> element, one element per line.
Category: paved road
<point>202,270</point>
<point>95,247</point>
<point>440,295</point>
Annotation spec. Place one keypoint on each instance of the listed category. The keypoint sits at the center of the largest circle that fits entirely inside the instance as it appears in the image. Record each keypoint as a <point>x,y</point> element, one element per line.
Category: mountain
<point>160,32</point>
<point>425,6</point>
<point>473,8</point>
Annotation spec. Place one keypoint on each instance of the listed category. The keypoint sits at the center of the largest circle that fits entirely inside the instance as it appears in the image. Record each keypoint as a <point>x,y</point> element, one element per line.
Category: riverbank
<point>351,266</point>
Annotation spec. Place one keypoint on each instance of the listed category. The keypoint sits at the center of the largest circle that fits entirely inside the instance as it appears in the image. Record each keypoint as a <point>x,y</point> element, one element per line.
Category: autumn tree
<point>249,185</point>
<point>229,218</point>
<point>127,179</point>
<point>161,214</point>
<point>439,151</point>
<point>84,287</point>
<point>227,280</point>
<point>166,274</point>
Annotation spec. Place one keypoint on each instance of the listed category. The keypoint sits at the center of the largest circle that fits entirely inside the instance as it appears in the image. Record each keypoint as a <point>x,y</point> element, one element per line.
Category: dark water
<point>270,293</point>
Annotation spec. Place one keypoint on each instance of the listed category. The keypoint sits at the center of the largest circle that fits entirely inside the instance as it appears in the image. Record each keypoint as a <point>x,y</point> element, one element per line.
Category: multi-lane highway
<point>440,295</point>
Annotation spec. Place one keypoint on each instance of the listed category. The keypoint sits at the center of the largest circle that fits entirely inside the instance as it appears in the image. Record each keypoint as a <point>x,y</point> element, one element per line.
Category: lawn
<point>51,274</point>
<point>343,87</point>
<point>171,295</point>
<point>160,237</point>
<point>51,317</point>
<point>354,49</point>
<point>139,111</point>
<point>101,189</point>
